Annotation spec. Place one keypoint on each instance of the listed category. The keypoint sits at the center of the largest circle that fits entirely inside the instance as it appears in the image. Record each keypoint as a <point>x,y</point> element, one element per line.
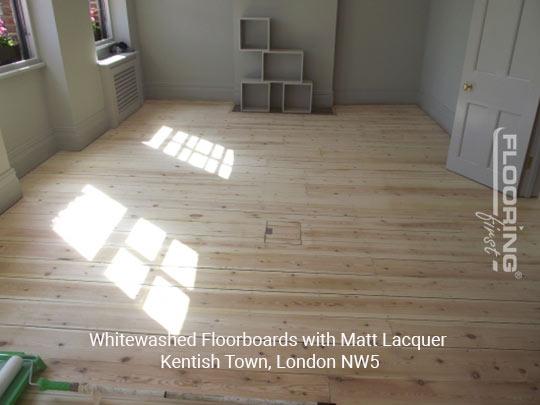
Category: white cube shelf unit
<point>281,70</point>
<point>297,97</point>
<point>254,34</point>
<point>281,65</point>
<point>255,96</point>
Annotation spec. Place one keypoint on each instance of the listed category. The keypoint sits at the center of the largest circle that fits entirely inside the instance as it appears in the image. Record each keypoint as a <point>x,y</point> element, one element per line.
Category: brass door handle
<point>467,86</point>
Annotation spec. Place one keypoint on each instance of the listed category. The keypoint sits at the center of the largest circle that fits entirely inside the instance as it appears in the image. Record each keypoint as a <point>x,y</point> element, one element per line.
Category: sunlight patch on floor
<point>180,263</point>
<point>197,152</point>
<point>146,238</point>
<point>167,305</point>
<point>159,137</point>
<point>88,221</point>
<point>127,272</point>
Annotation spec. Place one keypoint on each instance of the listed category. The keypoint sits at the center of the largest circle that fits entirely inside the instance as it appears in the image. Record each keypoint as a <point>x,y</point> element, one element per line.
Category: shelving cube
<point>283,65</point>
<point>278,81</point>
<point>297,97</point>
<point>254,34</point>
<point>276,96</point>
<point>255,96</point>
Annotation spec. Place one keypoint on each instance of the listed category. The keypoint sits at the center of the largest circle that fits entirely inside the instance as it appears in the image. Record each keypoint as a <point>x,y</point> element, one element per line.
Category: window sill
<point>104,44</point>
<point>114,60</point>
<point>18,68</point>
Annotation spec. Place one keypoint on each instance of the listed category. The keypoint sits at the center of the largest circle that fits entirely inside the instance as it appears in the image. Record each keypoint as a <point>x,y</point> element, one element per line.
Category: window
<point>14,33</point>
<point>99,16</point>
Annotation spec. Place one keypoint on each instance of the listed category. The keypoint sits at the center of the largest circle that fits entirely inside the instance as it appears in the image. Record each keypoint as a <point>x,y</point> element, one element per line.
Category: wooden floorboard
<point>369,233</point>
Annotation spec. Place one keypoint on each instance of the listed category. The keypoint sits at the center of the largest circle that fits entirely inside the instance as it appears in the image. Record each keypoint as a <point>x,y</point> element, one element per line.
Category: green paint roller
<point>9,371</point>
<point>16,369</point>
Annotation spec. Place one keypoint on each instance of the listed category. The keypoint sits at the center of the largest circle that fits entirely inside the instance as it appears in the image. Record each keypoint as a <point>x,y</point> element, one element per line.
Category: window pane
<point>11,46</point>
<point>98,17</point>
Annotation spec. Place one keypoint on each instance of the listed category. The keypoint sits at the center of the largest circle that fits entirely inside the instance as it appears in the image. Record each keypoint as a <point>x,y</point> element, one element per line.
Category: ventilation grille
<point>125,85</point>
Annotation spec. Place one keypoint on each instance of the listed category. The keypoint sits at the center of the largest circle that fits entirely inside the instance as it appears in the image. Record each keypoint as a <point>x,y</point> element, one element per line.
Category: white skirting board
<point>10,189</point>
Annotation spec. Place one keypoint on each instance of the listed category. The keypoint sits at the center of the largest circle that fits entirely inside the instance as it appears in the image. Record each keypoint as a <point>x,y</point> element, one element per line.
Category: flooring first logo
<point>501,226</point>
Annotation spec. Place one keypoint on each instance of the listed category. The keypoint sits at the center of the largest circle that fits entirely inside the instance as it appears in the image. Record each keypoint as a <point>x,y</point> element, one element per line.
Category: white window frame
<point>105,42</point>
<point>33,60</point>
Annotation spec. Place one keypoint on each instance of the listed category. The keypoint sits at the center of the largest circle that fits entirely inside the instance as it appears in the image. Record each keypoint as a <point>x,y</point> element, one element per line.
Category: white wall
<point>379,50</point>
<point>73,83</point>
<point>190,47</point>
<point>386,51</point>
<point>123,20</point>
<point>4,161</point>
<point>10,189</point>
<point>61,104</point>
<point>79,58</point>
<point>24,120</point>
<point>186,48</point>
<point>446,41</point>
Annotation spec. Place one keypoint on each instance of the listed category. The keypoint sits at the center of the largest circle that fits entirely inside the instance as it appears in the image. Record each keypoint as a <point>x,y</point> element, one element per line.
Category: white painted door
<point>501,86</point>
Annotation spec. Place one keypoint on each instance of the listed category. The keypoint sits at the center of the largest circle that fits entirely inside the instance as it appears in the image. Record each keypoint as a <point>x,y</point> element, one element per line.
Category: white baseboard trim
<point>441,113</point>
<point>171,91</point>
<point>79,136</point>
<point>10,189</point>
<point>348,96</point>
<point>32,153</point>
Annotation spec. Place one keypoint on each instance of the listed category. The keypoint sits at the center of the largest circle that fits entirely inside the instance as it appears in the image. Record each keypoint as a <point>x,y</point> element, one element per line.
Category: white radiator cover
<point>122,86</point>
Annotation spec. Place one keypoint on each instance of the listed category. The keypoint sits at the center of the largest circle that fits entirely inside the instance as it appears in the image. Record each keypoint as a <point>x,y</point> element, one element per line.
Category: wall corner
<point>10,188</point>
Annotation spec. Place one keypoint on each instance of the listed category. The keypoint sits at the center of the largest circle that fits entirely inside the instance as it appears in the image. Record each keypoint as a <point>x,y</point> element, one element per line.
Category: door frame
<point>530,180</point>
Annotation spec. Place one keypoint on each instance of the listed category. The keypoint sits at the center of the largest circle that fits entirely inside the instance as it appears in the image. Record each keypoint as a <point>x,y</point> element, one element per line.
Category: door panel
<point>525,65</point>
<point>474,138</point>
<point>502,64</point>
<point>496,46</point>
